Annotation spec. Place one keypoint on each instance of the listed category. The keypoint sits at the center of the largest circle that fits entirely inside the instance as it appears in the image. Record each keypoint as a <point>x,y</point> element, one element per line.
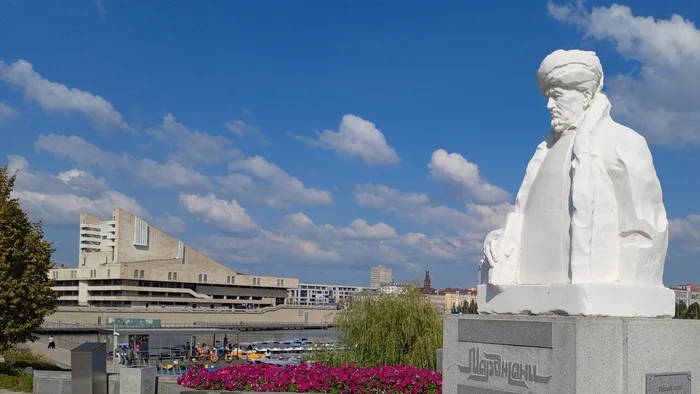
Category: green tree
<point>387,329</point>
<point>681,310</point>
<point>26,297</point>
<point>472,309</point>
<point>693,311</point>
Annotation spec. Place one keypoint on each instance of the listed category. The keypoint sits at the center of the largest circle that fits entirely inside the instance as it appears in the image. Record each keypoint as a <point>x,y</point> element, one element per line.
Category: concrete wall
<point>91,315</point>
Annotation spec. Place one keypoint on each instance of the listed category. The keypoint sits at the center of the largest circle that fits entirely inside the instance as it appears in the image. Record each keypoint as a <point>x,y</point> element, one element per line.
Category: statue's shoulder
<point>621,137</point>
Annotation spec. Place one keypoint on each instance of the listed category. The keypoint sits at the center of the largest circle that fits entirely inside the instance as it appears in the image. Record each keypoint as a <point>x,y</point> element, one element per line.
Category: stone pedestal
<point>569,355</point>
<point>587,299</point>
<point>137,380</point>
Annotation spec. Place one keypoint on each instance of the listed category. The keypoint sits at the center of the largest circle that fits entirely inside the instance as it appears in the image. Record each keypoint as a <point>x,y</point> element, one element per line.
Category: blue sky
<point>316,139</point>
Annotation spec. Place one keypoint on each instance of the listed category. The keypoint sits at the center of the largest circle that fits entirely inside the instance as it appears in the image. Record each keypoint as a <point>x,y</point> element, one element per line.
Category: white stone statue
<point>589,232</point>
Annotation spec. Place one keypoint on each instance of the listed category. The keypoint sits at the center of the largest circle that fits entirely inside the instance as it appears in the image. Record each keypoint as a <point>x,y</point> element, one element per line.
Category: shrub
<point>315,378</point>
<point>386,329</point>
<point>12,376</point>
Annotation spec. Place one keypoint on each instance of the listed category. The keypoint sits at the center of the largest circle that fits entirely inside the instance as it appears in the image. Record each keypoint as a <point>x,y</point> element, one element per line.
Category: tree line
<point>687,312</point>
<point>465,307</point>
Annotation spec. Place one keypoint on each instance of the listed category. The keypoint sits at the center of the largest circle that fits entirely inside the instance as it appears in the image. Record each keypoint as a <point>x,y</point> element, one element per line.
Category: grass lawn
<point>12,376</point>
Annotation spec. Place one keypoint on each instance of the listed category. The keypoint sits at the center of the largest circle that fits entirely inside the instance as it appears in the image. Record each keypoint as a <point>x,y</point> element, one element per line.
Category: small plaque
<point>668,383</point>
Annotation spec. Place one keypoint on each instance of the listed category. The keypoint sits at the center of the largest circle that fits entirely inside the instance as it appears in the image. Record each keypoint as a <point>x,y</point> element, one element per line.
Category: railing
<point>153,308</point>
<point>61,326</point>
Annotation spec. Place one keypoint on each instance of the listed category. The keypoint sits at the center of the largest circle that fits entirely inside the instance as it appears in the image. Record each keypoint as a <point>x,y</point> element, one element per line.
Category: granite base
<point>585,299</point>
<point>566,354</point>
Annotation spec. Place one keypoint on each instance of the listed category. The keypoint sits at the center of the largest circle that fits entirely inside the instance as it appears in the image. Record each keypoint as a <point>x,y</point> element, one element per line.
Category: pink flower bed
<point>315,378</point>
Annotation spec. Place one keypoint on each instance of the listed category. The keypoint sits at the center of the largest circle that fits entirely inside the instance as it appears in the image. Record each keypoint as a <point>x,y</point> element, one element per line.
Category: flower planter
<point>314,378</point>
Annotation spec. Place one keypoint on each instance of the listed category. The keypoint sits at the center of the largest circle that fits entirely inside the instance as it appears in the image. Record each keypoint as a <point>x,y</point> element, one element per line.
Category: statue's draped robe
<point>613,226</point>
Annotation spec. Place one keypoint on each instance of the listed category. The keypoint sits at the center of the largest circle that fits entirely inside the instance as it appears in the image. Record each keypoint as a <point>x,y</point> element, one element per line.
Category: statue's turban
<point>571,69</point>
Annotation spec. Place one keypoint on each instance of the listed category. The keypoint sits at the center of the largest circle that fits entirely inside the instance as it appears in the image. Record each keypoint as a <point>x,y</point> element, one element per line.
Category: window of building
<point>205,278</point>
<point>108,272</point>
<point>228,279</point>
<point>170,276</point>
<point>278,282</point>
<point>200,277</point>
<point>140,232</point>
<point>281,282</point>
<point>136,274</point>
<point>174,275</point>
<point>141,274</point>
<point>233,279</point>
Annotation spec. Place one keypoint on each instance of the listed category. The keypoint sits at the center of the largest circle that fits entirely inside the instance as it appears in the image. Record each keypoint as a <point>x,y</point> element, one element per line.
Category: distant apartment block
<point>380,275</point>
<point>688,294</point>
<point>126,262</point>
<point>317,294</point>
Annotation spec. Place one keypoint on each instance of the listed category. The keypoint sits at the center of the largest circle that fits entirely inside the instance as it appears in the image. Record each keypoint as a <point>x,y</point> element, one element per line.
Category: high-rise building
<point>379,275</point>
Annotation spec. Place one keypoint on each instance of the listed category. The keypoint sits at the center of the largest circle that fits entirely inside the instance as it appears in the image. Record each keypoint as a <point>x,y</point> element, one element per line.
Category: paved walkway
<point>2,391</point>
<point>61,357</point>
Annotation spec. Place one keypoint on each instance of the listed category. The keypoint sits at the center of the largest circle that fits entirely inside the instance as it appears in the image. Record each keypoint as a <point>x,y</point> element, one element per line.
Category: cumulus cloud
<point>242,130</point>
<point>193,146</point>
<point>170,174</point>
<point>170,224</point>
<point>258,180</point>
<point>228,216</point>
<point>686,232</point>
<point>59,98</point>
<point>356,137</point>
<point>7,112</point>
<point>463,177</point>
<point>660,96</point>
<point>58,199</point>
<point>469,226</point>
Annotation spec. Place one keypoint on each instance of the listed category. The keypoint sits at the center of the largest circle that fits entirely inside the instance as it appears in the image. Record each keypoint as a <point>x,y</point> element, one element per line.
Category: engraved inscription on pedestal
<point>668,383</point>
<point>483,366</point>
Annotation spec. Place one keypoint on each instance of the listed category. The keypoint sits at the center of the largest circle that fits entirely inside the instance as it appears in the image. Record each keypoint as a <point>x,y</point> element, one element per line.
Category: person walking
<point>52,342</point>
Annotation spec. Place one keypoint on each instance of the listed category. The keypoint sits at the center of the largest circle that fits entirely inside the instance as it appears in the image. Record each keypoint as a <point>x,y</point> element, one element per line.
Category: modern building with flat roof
<point>125,262</point>
<point>317,294</point>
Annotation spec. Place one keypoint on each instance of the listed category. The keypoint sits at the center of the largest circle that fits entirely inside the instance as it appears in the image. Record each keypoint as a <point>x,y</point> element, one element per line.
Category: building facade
<point>454,298</point>
<point>688,294</point>
<point>380,275</point>
<point>125,262</point>
<point>317,294</point>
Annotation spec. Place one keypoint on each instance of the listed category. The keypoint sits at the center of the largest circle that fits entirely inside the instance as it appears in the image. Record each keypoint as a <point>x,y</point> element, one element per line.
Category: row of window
<point>280,282</point>
<point>172,275</point>
<point>230,279</point>
<point>138,274</point>
<point>203,277</point>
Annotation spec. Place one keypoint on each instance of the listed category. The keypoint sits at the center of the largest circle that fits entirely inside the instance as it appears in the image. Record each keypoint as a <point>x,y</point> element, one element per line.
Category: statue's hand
<point>491,253</point>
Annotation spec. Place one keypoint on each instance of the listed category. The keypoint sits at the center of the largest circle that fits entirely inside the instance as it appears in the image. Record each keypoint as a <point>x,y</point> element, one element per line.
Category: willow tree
<point>387,329</point>
<point>26,297</point>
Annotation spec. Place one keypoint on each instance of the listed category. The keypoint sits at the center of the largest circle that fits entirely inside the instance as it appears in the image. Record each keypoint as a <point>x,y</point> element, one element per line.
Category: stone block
<point>138,380</point>
<point>438,366</point>
<point>573,355</point>
<point>59,382</point>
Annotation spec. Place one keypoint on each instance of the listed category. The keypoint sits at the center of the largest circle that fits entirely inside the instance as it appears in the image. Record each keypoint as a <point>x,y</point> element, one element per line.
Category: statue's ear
<point>588,96</point>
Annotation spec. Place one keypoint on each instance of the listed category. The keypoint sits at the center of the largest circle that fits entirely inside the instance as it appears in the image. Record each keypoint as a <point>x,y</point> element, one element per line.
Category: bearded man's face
<point>565,106</point>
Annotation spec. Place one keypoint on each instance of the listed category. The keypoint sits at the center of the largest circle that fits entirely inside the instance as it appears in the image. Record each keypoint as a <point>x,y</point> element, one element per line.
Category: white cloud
<point>59,199</point>
<point>7,112</point>
<point>57,97</point>
<point>463,177</point>
<point>228,216</point>
<point>272,186</point>
<point>663,100</point>
<point>170,174</point>
<point>469,226</point>
<point>356,137</point>
<point>193,146</point>
<point>170,224</point>
<point>686,232</point>
<point>241,130</point>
